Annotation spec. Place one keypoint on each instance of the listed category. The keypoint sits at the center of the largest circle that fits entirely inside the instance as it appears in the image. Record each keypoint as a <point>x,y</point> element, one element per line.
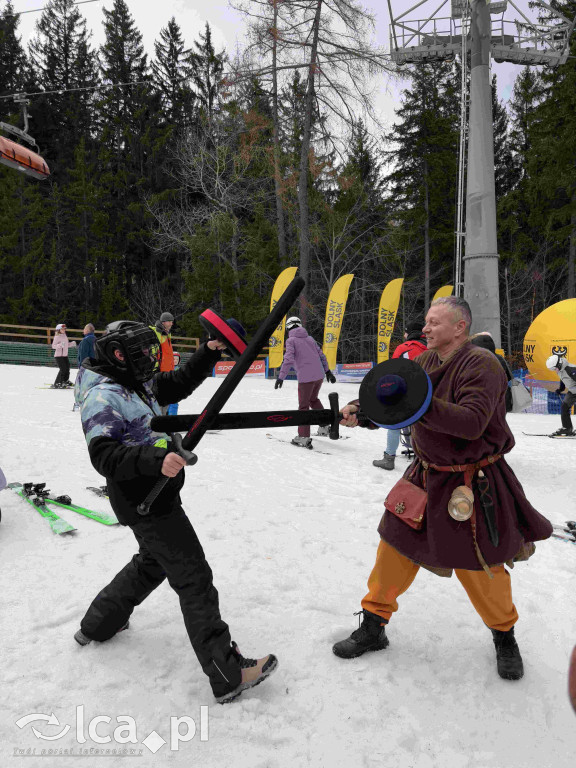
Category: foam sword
<point>245,354</point>
<point>393,395</point>
<point>258,419</point>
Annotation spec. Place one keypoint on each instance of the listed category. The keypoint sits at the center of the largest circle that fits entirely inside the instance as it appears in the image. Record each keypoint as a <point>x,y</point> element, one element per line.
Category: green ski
<point>106,518</point>
<point>56,523</point>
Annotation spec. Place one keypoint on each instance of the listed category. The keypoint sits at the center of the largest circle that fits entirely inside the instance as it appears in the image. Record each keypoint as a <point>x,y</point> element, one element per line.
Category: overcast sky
<point>227,26</point>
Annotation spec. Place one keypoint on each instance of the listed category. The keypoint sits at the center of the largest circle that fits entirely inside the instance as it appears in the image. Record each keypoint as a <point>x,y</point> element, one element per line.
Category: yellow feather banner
<point>276,342</point>
<point>446,290</point>
<point>387,317</point>
<point>335,309</point>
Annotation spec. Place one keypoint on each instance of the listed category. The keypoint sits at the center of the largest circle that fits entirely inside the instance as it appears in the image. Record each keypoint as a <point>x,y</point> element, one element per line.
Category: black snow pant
<point>63,370</point>
<point>169,548</point>
<point>567,403</point>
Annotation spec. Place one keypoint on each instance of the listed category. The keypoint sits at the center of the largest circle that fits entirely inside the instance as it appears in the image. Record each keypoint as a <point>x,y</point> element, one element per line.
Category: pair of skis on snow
<point>566,532</point>
<point>38,496</point>
<point>309,447</point>
<point>553,436</point>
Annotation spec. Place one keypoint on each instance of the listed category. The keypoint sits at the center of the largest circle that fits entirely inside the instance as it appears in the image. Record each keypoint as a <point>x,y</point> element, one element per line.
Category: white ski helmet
<point>553,362</point>
<point>293,322</point>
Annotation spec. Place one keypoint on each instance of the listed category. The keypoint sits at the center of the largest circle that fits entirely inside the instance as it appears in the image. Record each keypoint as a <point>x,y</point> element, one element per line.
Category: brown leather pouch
<point>408,503</point>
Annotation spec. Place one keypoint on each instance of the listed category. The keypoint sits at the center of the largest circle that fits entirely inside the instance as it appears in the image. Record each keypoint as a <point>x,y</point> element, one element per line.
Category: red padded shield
<point>218,327</point>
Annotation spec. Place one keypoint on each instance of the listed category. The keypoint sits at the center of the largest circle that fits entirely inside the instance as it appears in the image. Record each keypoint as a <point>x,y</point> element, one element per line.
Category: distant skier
<point>60,345</point>
<point>120,393</point>
<point>567,374</point>
<point>306,357</point>
<point>413,345</point>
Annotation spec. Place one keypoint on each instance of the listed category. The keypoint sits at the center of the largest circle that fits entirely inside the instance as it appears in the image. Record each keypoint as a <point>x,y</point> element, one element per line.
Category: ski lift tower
<point>479,27</point>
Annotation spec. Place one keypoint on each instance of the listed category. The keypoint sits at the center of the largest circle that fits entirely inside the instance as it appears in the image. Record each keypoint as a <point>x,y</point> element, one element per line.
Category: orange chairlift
<point>16,155</point>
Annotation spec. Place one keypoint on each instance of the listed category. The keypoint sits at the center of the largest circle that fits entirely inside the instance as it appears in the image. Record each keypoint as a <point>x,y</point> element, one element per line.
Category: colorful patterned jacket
<point>116,422</point>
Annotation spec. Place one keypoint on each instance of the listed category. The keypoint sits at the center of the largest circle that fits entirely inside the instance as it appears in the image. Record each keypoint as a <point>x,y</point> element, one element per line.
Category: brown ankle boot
<point>254,671</point>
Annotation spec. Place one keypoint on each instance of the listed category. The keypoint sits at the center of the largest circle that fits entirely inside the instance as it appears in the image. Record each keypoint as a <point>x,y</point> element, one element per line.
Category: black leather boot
<point>508,659</point>
<point>370,636</point>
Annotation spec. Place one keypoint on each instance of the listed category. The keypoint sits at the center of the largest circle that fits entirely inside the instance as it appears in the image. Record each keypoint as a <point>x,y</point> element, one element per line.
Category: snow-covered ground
<point>291,537</point>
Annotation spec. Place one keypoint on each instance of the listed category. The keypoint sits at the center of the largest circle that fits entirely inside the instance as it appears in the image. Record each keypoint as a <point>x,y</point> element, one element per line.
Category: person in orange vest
<point>414,344</point>
<point>162,329</point>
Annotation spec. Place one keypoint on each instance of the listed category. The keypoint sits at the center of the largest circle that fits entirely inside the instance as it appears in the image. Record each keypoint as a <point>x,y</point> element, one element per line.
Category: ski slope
<point>291,537</point>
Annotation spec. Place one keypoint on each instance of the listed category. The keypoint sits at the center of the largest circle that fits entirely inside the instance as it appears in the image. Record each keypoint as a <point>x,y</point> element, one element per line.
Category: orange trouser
<point>393,574</point>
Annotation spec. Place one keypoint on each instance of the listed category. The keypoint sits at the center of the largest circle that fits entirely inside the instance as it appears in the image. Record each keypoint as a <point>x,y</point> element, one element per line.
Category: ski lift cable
<point>37,10</point>
<point>73,90</point>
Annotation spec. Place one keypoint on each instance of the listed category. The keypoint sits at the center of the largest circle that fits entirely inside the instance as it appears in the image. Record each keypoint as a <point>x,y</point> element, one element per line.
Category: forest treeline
<point>190,179</point>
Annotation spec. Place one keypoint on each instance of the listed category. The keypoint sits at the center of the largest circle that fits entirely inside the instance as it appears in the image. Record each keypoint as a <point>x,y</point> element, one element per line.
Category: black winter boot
<point>83,639</point>
<point>508,659</point>
<point>370,636</point>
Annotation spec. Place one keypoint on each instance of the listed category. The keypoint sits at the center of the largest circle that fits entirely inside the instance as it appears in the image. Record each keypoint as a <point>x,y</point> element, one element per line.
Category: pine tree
<point>13,66</point>
<point>13,62</point>
<point>171,72</point>
<point>524,245</point>
<point>505,173</point>
<point>129,116</point>
<point>424,155</point>
<point>207,69</point>
<point>519,239</point>
<point>357,222</point>
<point>12,207</point>
<point>124,67</point>
<point>84,217</point>
<point>64,65</point>
<point>36,263</point>
<point>525,98</point>
<point>552,162</point>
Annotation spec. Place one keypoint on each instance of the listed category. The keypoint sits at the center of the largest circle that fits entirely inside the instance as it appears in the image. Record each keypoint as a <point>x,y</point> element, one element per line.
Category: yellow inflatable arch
<point>552,332</point>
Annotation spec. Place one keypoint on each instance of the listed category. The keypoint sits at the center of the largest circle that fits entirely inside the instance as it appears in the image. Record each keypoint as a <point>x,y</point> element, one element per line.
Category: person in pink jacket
<point>60,344</point>
<point>306,357</point>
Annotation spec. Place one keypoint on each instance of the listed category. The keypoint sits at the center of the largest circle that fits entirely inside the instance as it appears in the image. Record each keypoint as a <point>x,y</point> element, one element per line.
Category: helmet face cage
<point>138,345</point>
<point>142,353</point>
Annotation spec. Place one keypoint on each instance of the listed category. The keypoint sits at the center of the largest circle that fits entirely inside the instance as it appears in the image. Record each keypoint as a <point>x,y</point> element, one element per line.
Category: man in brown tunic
<point>464,426</point>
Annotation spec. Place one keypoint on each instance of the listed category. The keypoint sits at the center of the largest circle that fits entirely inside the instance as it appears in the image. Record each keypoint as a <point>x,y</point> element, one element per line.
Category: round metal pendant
<point>461,504</point>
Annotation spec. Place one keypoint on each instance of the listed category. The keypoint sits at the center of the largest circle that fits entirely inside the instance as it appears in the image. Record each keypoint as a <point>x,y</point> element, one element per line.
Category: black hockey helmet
<point>138,344</point>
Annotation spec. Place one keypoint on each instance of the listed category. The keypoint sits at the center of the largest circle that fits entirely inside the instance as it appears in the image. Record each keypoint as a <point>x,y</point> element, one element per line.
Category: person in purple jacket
<point>306,357</point>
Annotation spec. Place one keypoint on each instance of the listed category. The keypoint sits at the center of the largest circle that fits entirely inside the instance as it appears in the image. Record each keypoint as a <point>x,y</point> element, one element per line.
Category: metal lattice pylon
<point>478,28</point>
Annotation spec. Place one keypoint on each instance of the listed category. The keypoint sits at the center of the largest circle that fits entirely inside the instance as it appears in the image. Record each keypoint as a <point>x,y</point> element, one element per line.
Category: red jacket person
<point>460,441</point>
